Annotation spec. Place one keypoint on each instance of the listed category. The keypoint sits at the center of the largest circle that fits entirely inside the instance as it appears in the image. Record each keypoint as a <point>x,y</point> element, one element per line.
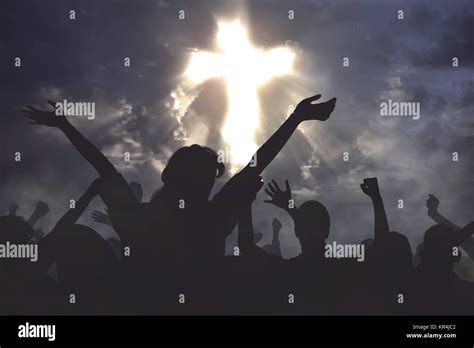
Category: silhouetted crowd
<point>171,255</point>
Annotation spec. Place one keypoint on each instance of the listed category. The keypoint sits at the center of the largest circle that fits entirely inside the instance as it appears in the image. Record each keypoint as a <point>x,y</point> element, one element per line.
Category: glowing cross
<point>244,68</point>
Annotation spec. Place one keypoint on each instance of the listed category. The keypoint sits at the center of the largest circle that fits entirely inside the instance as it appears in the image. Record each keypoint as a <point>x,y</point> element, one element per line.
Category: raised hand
<point>276,225</point>
<point>370,187</point>
<point>432,203</point>
<point>100,217</point>
<point>41,209</point>
<point>306,110</point>
<point>278,197</point>
<point>44,118</point>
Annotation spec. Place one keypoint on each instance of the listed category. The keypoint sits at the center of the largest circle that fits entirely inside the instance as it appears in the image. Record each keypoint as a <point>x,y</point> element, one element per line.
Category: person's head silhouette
<point>440,249</point>
<point>83,257</point>
<point>312,225</point>
<point>192,171</point>
<point>15,230</point>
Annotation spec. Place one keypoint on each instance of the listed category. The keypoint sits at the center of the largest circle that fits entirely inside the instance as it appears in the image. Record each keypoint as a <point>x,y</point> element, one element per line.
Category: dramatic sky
<point>149,110</point>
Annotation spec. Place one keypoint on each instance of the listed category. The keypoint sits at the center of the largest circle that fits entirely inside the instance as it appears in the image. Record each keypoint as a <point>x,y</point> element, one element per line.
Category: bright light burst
<point>244,68</point>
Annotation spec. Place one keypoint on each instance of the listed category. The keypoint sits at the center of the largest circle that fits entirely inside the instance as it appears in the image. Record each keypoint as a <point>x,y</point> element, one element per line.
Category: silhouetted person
<point>318,282</point>
<point>436,289</point>
<point>311,220</point>
<point>315,278</point>
<point>389,258</point>
<point>464,268</point>
<point>181,226</point>
<point>258,276</point>
<point>85,262</point>
<point>432,204</point>
<point>23,285</point>
<point>40,211</point>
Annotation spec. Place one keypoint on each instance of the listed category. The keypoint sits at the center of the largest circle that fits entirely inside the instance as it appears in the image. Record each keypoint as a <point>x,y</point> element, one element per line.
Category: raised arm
<point>464,233</point>
<point>41,210</point>
<point>73,214</point>
<point>50,243</point>
<point>370,187</point>
<point>304,111</point>
<point>235,189</point>
<point>93,155</point>
<point>276,226</point>
<point>432,204</point>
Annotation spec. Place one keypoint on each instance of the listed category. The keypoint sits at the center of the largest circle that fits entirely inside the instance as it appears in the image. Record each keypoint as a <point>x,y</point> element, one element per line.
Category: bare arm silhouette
<point>93,155</point>
<point>464,233</point>
<point>370,187</point>
<point>304,111</point>
<point>41,210</point>
<point>432,204</point>
<point>73,214</point>
<point>116,191</point>
<point>50,243</point>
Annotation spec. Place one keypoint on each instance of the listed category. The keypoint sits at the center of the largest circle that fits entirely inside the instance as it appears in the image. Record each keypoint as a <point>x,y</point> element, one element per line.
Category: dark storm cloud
<point>407,60</point>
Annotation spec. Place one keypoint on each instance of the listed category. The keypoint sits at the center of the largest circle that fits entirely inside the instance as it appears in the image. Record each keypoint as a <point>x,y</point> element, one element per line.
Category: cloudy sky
<point>149,109</point>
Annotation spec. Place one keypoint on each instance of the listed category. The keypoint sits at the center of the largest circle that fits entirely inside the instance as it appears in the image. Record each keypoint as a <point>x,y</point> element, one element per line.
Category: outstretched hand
<point>306,110</point>
<point>101,217</point>
<point>432,203</point>
<point>44,118</point>
<point>370,187</point>
<point>278,197</point>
